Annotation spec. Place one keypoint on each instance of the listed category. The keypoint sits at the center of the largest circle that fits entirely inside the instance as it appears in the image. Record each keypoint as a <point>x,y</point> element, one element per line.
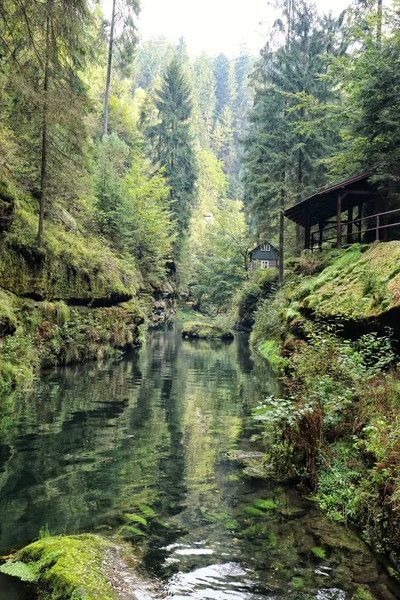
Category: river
<point>160,435</point>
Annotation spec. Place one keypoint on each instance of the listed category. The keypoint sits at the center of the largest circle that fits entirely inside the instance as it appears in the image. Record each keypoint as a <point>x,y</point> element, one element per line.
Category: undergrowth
<point>336,430</point>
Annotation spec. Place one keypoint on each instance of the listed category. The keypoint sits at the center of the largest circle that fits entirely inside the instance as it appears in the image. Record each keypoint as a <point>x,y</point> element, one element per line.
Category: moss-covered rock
<point>360,283</point>
<point>66,568</point>
<point>200,330</point>
<point>46,334</point>
<point>69,266</point>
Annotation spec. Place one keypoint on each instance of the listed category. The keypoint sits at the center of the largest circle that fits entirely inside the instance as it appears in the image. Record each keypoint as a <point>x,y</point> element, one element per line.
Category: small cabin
<point>264,256</point>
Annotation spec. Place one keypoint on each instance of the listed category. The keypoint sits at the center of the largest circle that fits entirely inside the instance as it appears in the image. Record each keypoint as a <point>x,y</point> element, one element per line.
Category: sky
<point>214,26</point>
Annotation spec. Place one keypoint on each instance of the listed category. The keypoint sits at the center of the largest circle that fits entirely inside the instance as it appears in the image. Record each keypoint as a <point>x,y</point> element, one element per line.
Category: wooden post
<point>307,234</point>
<point>360,222</point>
<point>377,228</point>
<point>339,222</point>
<point>350,225</point>
<point>312,242</point>
<point>321,231</point>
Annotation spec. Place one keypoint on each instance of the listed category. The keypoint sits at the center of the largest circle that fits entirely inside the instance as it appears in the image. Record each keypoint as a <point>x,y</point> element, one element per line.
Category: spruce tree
<point>173,143</point>
<point>44,45</point>
<point>283,156</point>
<point>222,92</point>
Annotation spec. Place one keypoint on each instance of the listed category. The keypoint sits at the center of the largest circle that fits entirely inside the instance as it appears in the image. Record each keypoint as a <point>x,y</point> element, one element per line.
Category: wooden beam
<point>339,221</point>
<point>350,225</point>
<point>320,231</point>
<point>307,234</point>
<point>359,224</point>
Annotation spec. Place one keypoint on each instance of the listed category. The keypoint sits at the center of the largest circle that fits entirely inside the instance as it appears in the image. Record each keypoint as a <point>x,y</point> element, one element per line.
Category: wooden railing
<point>318,239</point>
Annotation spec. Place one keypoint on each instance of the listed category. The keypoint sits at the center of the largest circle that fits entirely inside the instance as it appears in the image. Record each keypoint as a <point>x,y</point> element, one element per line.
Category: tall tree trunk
<point>281,234</point>
<point>109,64</point>
<point>44,165</point>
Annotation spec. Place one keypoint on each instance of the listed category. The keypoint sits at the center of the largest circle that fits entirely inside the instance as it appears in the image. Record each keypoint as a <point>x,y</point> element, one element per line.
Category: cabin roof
<point>263,244</point>
<point>322,205</point>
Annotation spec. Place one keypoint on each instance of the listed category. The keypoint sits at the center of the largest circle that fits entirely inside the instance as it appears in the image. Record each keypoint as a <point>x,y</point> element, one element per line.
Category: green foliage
<point>21,570</point>
<point>262,285</point>
<point>147,510</point>
<point>337,427</point>
<point>267,324</point>
<point>135,519</point>
<point>111,168</point>
<point>44,532</point>
<point>264,504</point>
<point>318,552</point>
<point>282,156</point>
<point>203,330</point>
<point>173,143</point>
<point>151,234</point>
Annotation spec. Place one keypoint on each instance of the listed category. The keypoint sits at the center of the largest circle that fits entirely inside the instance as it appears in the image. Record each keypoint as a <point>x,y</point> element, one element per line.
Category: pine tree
<point>205,86</point>
<point>173,142</point>
<point>283,157</point>
<point>221,74</point>
<point>45,45</point>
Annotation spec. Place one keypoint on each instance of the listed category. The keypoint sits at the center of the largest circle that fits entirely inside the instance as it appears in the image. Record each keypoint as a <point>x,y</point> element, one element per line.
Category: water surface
<point>150,448</point>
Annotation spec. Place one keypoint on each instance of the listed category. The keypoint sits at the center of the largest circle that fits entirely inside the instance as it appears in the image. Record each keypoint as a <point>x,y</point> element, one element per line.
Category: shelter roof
<point>266,243</point>
<point>321,206</point>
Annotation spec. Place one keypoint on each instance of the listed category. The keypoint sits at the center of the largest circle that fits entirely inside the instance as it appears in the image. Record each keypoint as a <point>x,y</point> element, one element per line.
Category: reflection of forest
<point>91,442</point>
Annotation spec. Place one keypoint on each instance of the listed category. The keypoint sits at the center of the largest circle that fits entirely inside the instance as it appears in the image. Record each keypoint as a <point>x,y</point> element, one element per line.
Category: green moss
<point>131,518</point>
<point>200,330</point>
<point>264,504</point>
<point>21,570</point>
<point>357,284</point>
<point>362,594</point>
<point>253,512</point>
<point>69,265</point>
<point>52,333</point>
<point>297,583</point>
<point>270,350</point>
<point>147,510</point>
<point>66,567</point>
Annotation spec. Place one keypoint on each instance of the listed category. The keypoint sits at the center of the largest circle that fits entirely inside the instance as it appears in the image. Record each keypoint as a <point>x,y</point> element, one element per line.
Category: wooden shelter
<point>264,256</point>
<point>340,209</point>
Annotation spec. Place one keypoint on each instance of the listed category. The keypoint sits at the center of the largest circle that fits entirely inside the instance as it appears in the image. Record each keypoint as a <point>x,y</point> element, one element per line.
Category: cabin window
<point>265,248</point>
<point>265,264</point>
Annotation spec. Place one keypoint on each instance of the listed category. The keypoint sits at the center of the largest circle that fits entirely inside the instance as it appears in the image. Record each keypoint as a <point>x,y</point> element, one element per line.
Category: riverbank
<point>149,452</point>
<point>333,332</point>
<point>72,299</point>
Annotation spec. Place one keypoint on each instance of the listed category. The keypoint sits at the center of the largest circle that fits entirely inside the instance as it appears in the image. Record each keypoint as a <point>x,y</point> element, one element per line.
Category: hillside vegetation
<point>330,330</point>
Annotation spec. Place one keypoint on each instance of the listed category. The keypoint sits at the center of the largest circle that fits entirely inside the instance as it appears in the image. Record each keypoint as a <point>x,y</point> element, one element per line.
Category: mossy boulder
<point>205,331</point>
<point>70,265</point>
<point>64,568</point>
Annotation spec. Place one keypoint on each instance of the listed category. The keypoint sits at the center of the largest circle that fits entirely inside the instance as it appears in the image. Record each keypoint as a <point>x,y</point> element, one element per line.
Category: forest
<point>136,181</point>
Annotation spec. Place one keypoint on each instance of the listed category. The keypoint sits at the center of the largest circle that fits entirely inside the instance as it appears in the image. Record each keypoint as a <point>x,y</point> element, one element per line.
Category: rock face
<point>361,285</point>
<point>164,307</point>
